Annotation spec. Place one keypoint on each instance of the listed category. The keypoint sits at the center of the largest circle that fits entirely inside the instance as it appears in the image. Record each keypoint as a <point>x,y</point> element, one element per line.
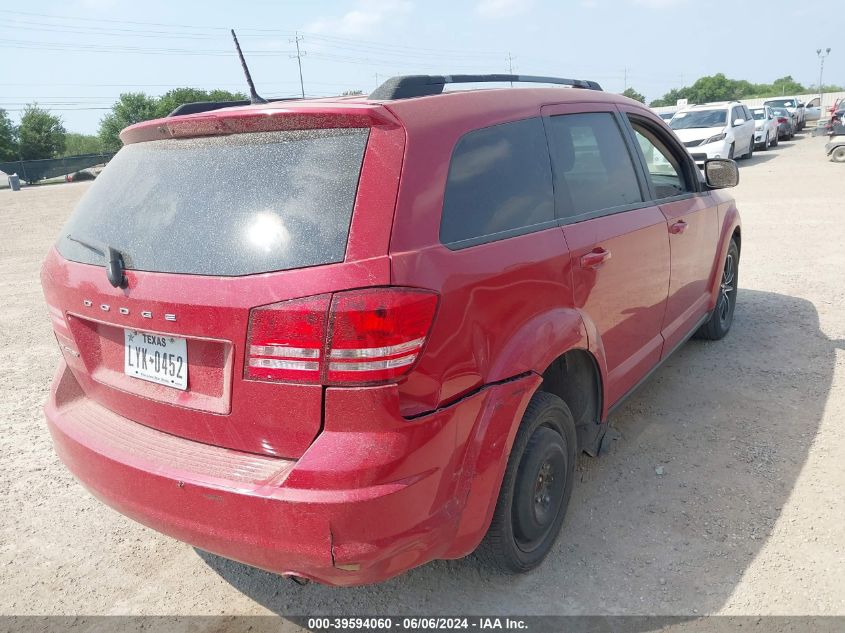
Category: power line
<point>89,19</point>
<point>333,41</point>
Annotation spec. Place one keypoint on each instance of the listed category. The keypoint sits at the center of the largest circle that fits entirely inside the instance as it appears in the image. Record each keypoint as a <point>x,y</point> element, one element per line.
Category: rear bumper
<point>366,501</point>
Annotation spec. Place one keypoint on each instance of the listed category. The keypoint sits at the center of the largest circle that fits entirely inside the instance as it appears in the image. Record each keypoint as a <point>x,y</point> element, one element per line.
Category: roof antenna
<point>253,96</point>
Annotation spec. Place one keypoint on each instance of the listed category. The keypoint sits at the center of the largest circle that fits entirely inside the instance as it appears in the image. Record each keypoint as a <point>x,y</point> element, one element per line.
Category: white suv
<point>715,130</point>
<point>794,106</point>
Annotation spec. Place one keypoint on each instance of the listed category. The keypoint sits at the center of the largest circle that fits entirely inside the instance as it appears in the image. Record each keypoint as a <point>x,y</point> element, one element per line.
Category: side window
<point>499,181</point>
<point>748,115</point>
<point>736,113</point>
<point>593,167</point>
<point>665,170</point>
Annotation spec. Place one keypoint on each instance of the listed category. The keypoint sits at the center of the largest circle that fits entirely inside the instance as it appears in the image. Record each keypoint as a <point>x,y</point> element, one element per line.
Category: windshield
<point>780,112</point>
<point>759,115</point>
<point>225,205</point>
<point>784,103</point>
<point>698,118</point>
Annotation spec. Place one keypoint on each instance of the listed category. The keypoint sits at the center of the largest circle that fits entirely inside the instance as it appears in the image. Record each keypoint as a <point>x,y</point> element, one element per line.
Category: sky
<point>75,57</point>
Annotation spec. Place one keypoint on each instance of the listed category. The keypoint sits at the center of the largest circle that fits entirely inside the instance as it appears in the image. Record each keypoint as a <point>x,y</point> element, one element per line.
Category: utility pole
<point>510,66</point>
<point>377,83</point>
<point>296,40</point>
<point>821,74</point>
<point>626,79</point>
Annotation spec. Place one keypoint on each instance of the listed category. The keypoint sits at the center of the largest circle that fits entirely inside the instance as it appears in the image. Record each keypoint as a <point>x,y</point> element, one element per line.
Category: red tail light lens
<point>286,340</point>
<point>358,336</point>
<point>377,334</point>
<point>781,120</point>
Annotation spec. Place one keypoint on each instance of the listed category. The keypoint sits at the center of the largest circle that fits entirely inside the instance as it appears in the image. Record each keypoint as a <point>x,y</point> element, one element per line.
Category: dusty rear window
<point>227,205</point>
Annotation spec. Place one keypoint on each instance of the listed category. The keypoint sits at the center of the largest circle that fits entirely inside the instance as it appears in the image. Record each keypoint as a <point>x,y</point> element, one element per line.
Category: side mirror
<point>721,173</point>
<point>739,121</point>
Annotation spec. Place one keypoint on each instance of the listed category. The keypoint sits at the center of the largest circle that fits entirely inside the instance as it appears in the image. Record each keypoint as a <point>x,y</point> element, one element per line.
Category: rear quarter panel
<point>506,306</point>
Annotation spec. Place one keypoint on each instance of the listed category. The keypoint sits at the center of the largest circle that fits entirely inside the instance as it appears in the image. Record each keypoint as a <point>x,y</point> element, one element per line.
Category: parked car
<point>389,343</point>
<point>765,127</point>
<point>812,110</point>
<point>786,123</point>
<point>793,105</point>
<point>715,130</point>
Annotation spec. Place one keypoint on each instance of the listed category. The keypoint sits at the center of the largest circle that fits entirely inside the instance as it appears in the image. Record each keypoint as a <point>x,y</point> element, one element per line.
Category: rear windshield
<point>784,103</point>
<point>225,205</point>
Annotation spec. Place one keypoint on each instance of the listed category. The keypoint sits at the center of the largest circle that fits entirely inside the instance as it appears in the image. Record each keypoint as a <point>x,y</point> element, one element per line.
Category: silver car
<point>765,127</point>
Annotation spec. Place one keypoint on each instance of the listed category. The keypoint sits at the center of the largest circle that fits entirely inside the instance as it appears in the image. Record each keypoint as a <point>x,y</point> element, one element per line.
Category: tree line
<point>41,134</point>
<point>718,87</point>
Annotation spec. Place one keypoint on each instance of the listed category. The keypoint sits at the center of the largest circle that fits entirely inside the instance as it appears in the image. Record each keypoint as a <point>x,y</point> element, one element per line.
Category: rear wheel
<point>776,140</point>
<point>535,488</point>
<point>722,316</point>
<point>838,155</point>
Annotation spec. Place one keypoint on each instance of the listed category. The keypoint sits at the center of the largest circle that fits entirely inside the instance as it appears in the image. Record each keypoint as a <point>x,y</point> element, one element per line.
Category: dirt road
<point>747,517</point>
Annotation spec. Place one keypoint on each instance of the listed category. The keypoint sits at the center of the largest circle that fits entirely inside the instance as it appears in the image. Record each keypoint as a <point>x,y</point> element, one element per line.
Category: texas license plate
<point>156,358</point>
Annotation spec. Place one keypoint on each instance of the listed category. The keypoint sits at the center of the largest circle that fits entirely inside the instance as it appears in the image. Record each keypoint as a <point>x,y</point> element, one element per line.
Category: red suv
<point>339,338</point>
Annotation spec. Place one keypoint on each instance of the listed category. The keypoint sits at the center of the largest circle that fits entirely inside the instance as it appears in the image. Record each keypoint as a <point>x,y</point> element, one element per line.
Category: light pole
<point>821,74</point>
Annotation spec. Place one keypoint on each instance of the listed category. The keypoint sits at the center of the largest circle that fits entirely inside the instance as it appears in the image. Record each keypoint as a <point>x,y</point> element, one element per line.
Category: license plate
<point>156,358</point>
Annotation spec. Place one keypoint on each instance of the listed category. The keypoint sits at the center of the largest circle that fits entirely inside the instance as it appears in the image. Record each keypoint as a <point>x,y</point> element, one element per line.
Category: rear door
<point>210,229</point>
<point>617,239</point>
<point>692,226</point>
<point>741,140</point>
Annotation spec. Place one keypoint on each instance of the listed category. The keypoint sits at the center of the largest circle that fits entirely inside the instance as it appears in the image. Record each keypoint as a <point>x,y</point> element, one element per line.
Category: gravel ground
<point>746,517</point>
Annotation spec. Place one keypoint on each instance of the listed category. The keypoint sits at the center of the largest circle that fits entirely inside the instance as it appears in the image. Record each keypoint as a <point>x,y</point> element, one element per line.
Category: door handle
<point>595,258</point>
<point>678,227</point>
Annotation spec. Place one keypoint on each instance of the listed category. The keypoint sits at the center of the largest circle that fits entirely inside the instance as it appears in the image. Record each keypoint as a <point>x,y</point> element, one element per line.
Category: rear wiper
<point>115,266</point>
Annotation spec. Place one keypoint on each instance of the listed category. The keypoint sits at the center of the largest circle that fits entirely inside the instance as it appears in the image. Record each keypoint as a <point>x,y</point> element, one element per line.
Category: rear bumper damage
<point>373,496</point>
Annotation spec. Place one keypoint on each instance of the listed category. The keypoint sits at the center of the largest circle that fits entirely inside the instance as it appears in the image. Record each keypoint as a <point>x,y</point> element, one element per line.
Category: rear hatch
<point>211,227</point>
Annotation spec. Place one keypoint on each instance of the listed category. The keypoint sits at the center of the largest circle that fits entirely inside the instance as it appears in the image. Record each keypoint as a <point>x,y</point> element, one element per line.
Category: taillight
<point>781,120</point>
<point>360,336</point>
<point>377,334</point>
<point>286,340</point>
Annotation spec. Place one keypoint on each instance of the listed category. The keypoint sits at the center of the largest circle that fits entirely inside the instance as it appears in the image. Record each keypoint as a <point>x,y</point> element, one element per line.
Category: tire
<point>721,318</point>
<point>731,152</point>
<point>838,155</point>
<point>776,140</point>
<point>535,489</point>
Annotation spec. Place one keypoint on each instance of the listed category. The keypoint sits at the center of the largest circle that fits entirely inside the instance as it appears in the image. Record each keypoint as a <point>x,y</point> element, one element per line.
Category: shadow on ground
<point>728,423</point>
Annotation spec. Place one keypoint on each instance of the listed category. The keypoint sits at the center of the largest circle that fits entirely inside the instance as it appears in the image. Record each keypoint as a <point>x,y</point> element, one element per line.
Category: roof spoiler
<point>207,106</point>
<point>408,86</point>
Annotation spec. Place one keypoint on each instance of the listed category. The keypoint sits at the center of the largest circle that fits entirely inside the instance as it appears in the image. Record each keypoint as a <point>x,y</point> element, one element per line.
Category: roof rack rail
<point>196,107</point>
<point>408,86</point>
